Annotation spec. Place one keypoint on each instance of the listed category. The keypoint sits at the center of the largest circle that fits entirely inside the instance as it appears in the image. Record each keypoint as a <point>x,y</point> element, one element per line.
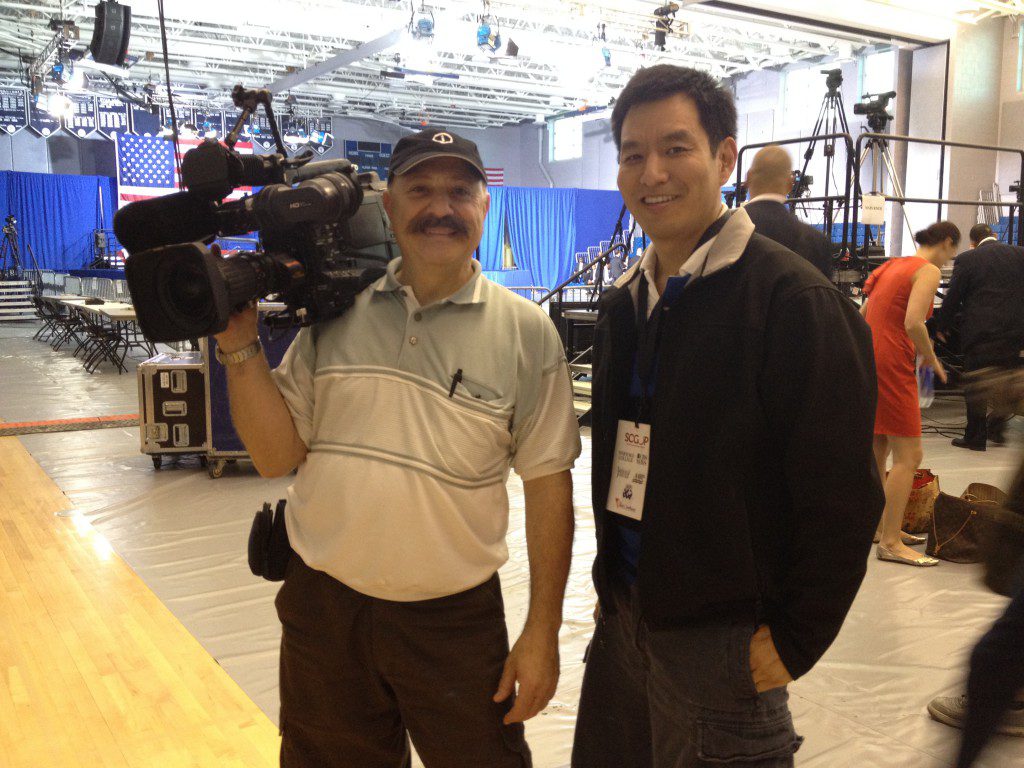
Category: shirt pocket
<point>478,390</point>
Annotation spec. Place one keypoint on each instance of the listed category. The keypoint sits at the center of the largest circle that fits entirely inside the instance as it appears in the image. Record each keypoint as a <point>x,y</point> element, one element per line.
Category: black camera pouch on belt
<point>269,549</point>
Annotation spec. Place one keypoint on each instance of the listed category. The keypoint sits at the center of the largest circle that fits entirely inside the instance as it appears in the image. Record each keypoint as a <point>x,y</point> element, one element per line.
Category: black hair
<point>980,231</point>
<point>938,232</point>
<point>715,106</point>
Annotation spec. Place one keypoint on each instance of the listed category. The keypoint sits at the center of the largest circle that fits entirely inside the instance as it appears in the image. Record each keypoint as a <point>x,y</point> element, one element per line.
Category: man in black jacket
<point>769,181</point>
<point>987,292</point>
<point>734,487</point>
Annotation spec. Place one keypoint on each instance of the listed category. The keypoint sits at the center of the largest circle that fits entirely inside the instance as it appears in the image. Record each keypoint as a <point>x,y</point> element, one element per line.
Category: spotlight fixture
<point>488,38</point>
<point>421,22</point>
<point>665,15</point>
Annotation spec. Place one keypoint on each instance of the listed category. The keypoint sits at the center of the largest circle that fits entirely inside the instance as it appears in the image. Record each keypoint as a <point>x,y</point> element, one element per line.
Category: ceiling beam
<point>339,60</point>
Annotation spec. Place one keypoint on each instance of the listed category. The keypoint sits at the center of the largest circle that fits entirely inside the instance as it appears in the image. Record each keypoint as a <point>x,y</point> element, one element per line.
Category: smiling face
<point>437,211</point>
<point>669,176</point>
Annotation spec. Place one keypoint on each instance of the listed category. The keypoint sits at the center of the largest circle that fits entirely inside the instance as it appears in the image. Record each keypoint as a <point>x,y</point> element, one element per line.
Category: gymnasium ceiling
<point>370,65</point>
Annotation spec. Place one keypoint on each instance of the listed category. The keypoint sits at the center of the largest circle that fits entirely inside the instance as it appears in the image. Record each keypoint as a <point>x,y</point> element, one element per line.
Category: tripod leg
<point>896,186</point>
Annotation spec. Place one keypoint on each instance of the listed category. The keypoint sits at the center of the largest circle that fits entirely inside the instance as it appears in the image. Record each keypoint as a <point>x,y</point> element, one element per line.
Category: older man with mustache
<point>403,418</point>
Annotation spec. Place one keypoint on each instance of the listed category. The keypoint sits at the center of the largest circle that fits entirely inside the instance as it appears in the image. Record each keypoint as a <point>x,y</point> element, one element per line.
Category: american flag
<point>495,177</point>
<point>146,167</point>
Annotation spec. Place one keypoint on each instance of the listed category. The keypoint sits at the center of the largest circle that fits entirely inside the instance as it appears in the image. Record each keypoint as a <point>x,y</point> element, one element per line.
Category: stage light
<point>59,105</point>
<point>421,23</point>
<point>488,38</point>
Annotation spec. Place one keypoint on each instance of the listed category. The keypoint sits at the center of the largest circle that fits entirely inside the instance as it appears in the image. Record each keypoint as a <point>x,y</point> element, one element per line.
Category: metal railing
<point>940,201</point>
<point>837,199</point>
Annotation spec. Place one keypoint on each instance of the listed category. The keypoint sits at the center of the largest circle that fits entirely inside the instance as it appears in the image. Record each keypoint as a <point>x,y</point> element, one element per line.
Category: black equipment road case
<point>173,405</point>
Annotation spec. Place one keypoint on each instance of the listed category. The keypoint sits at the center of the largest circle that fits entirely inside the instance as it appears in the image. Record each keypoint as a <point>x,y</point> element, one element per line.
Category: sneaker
<point>952,710</point>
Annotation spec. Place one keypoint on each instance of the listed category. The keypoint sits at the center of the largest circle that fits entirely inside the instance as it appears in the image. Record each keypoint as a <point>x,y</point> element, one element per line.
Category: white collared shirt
<point>721,251</point>
<point>771,196</point>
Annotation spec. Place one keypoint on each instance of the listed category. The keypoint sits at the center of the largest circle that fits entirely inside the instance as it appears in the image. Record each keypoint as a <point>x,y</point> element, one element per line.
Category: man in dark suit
<point>987,292</point>
<point>770,180</point>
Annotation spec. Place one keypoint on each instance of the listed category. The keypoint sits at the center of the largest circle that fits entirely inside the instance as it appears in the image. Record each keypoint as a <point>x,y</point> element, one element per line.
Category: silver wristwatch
<point>233,358</point>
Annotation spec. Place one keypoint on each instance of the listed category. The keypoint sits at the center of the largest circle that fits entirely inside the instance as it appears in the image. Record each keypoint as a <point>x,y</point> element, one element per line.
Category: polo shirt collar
<point>470,293</point>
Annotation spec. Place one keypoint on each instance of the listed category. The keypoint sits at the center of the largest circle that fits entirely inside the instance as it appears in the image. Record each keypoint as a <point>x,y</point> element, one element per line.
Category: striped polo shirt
<point>402,494</point>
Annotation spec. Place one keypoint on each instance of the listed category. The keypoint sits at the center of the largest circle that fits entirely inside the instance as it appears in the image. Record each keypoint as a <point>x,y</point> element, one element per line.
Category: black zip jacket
<point>763,493</point>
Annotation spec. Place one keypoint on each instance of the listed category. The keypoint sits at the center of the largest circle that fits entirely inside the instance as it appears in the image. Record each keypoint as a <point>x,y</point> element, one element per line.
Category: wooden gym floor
<point>96,671</point>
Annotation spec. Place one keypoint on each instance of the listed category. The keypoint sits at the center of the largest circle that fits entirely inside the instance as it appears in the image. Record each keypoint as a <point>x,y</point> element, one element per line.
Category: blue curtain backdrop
<point>546,228</point>
<point>596,213</point>
<point>542,230</point>
<point>57,214</point>
<point>492,244</point>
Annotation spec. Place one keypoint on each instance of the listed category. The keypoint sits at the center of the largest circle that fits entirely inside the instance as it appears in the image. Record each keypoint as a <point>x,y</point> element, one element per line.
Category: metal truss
<point>211,50</point>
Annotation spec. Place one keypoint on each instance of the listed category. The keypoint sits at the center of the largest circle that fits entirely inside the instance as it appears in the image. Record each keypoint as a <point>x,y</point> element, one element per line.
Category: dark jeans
<point>978,425</point>
<point>997,674</point>
<point>360,676</point>
<point>676,698</point>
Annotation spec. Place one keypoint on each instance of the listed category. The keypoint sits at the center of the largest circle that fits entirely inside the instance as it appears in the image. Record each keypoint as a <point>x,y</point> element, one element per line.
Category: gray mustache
<point>449,222</point>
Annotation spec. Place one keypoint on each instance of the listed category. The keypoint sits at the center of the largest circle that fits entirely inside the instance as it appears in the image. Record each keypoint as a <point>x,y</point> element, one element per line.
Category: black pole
<point>942,154</point>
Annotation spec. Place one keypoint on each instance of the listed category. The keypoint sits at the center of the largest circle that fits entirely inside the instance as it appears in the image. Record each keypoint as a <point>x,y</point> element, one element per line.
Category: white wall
<point>1011,117</point>
<point>927,93</point>
<point>974,96</point>
<point>523,152</point>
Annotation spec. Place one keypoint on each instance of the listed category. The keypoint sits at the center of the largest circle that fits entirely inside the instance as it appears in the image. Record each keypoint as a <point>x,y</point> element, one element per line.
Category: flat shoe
<point>907,538</point>
<point>921,562</point>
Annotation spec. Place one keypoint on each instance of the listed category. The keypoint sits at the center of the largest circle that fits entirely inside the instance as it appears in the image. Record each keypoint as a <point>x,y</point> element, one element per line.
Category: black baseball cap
<point>433,142</point>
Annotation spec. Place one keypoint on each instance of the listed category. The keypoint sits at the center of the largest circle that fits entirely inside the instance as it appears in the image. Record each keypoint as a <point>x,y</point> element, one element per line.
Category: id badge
<point>629,469</point>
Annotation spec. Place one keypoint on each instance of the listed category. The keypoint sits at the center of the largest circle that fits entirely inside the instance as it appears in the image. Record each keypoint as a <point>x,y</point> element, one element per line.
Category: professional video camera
<point>322,226</point>
<point>801,184</point>
<point>833,79</point>
<point>874,108</point>
<point>10,225</point>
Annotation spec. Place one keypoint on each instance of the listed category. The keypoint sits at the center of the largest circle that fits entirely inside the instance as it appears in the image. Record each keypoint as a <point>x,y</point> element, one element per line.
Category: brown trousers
<point>360,676</point>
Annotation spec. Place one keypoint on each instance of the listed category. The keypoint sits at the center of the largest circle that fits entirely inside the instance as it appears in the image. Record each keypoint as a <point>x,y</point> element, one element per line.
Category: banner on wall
<point>209,123</point>
<point>82,119</point>
<point>260,131</point>
<point>13,110</point>
<point>295,131</point>
<point>230,118</point>
<point>144,122</point>
<point>183,115</point>
<point>321,134</point>
<point>369,156</point>
<point>112,116</point>
<point>42,122</point>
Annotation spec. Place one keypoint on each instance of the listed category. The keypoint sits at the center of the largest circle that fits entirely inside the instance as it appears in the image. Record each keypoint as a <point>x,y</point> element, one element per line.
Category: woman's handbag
<point>1002,542</point>
<point>918,516</point>
<point>957,523</point>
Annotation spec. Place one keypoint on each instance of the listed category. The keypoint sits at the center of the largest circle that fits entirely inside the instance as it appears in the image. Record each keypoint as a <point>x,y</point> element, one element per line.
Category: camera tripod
<point>831,119</point>
<point>10,252</point>
<point>877,149</point>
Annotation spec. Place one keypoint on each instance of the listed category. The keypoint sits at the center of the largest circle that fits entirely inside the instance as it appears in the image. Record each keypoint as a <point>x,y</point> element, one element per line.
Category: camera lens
<point>183,290</point>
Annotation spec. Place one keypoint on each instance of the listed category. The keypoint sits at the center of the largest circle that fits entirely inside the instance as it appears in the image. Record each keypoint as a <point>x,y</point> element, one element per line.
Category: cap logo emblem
<point>443,138</point>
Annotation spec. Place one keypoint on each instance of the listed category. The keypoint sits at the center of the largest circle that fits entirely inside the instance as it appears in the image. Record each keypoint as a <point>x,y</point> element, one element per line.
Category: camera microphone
<point>177,218</point>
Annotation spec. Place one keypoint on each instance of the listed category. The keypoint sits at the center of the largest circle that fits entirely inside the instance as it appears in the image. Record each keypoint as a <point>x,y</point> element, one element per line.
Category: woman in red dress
<point>901,293</point>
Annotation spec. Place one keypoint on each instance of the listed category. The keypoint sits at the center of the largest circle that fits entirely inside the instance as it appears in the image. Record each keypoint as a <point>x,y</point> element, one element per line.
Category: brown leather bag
<point>957,523</point>
<point>1002,541</point>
